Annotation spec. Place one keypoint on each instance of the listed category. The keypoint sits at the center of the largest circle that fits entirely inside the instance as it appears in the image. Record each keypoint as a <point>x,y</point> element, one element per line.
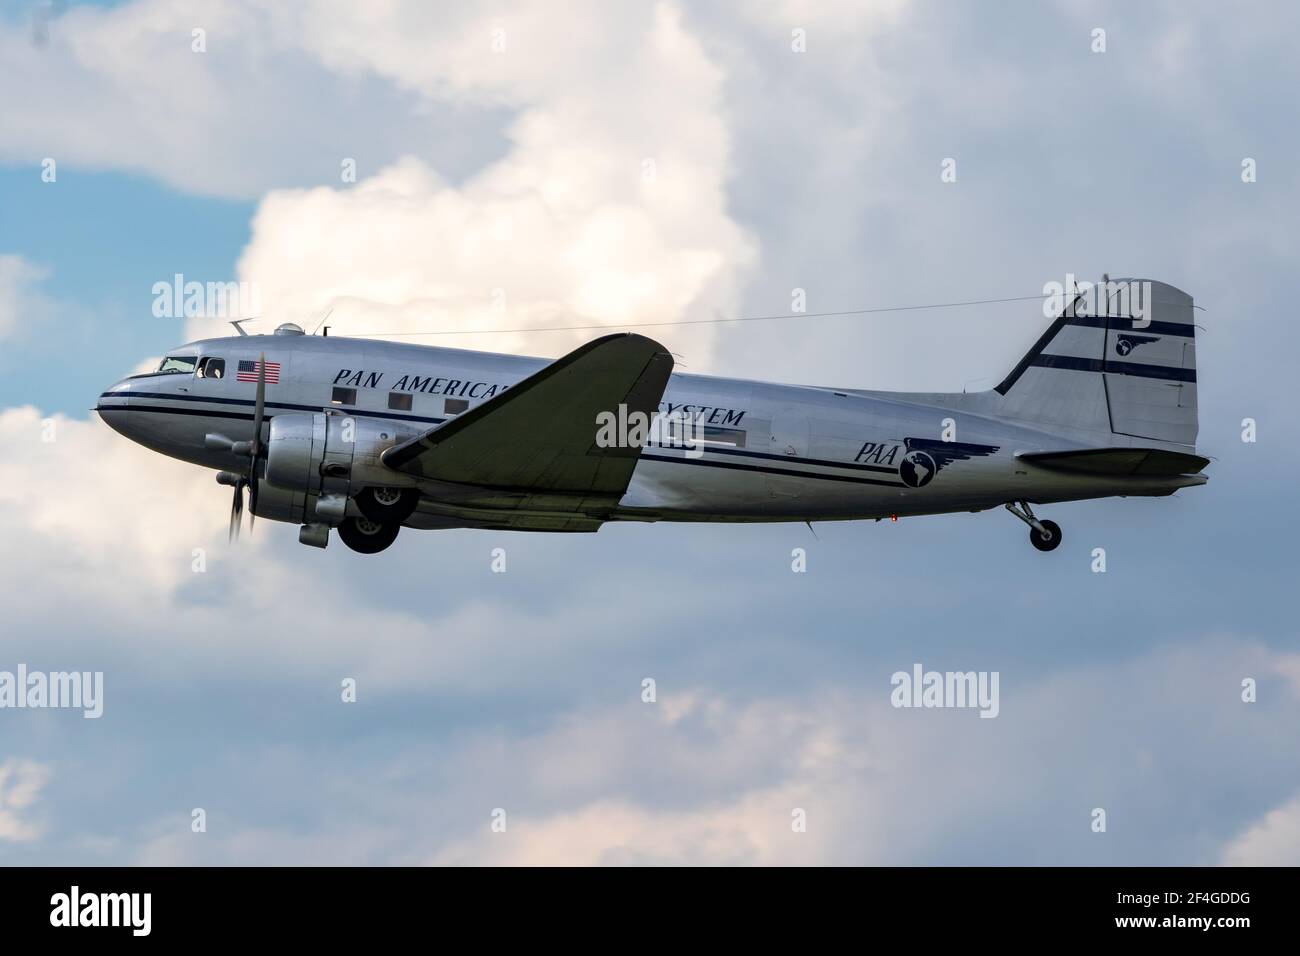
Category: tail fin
<point>1123,363</point>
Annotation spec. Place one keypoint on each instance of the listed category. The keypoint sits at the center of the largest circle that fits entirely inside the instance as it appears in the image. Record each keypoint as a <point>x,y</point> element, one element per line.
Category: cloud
<point>21,782</point>
<point>146,511</point>
<point>707,776</point>
<point>125,89</point>
<point>1288,667</point>
<point>617,165</point>
<point>754,831</point>
<point>609,207</point>
<point>20,301</point>
<point>140,538</point>
<point>1274,840</point>
<point>833,18</point>
<point>714,778</point>
<point>699,779</point>
<point>606,202</point>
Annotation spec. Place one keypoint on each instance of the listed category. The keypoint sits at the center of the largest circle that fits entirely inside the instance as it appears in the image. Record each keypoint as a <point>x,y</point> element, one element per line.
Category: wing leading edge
<point>540,435</point>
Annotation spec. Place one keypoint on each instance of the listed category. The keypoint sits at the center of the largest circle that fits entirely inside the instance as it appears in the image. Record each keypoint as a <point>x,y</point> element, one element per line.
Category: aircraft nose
<point>112,407</point>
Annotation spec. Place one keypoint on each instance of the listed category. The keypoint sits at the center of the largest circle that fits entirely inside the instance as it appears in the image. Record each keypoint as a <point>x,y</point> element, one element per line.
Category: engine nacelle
<point>316,462</point>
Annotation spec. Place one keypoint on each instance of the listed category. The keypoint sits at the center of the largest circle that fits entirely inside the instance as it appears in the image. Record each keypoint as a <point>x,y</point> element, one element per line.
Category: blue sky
<point>773,170</point>
<point>106,238</point>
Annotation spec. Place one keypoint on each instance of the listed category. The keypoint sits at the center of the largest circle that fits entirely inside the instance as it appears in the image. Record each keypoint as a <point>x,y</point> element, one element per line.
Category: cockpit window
<point>212,368</point>
<point>178,363</point>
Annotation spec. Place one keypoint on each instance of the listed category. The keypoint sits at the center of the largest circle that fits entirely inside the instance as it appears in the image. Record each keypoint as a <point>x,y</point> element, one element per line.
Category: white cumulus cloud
<point>608,208</point>
<point>21,781</point>
<point>1273,840</point>
<point>20,299</point>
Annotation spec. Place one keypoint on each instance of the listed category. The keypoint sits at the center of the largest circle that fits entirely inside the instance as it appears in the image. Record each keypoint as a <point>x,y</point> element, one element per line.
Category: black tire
<point>367,537</point>
<point>1049,542</point>
<point>387,505</point>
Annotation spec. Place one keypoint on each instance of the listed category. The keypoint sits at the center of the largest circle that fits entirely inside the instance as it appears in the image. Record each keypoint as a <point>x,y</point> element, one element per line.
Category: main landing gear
<point>382,512</point>
<point>388,505</point>
<point>1043,535</point>
<point>367,537</point>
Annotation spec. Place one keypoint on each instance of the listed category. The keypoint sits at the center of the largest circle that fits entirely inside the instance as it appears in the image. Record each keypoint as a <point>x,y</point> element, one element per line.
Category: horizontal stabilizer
<point>1145,462</point>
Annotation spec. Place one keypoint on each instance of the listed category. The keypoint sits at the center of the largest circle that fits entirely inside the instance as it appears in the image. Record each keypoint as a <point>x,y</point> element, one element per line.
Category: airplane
<point>366,437</point>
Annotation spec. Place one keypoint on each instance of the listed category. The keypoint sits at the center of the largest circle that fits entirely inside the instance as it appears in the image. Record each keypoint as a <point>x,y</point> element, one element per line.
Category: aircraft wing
<point>540,435</point>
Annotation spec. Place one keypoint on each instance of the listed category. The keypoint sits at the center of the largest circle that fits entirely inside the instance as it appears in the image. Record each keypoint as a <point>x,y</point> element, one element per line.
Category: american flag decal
<point>247,372</point>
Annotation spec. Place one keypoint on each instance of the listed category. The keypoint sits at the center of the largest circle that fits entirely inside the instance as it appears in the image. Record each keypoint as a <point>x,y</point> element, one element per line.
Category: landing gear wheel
<point>1049,541</point>
<point>367,537</point>
<point>388,505</point>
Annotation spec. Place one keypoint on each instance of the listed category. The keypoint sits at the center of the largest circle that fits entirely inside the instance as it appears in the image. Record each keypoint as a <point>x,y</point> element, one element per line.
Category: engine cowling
<point>316,462</point>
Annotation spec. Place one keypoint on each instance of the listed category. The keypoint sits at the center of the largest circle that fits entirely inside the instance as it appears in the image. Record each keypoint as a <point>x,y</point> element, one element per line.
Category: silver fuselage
<point>783,453</point>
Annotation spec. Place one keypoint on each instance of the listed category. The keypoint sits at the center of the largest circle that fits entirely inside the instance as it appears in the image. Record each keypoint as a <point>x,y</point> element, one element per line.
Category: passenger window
<point>343,396</point>
<point>454,406</point>
<point>400,401</point>
<point>724,436</point>
<point>212,368</point>
<point>677,433</point>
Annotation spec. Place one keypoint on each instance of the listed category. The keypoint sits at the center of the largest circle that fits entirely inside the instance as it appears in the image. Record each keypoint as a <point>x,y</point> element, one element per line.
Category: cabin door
<point>789,437</point>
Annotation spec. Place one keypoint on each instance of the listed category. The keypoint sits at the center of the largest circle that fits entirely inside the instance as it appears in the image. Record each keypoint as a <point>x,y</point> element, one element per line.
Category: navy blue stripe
<point>1077,364</point>
<point>734,466</point>
<point>200,412</point>
<point>744,453</point>
<point>212,413</point>
<point>288,406</point>
<point>1088,321</point>
<point>1183,329</point>
<point>248,402</point>
<point>246,416</point>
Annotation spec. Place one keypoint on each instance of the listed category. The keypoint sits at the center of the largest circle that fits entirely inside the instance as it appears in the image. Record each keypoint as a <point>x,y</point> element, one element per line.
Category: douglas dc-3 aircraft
<point>368,437</point>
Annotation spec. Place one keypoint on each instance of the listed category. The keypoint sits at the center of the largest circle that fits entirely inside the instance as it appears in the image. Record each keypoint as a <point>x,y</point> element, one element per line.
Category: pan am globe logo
<point>1125,344</point>
<point>916,469</point>
<point>926,457</point>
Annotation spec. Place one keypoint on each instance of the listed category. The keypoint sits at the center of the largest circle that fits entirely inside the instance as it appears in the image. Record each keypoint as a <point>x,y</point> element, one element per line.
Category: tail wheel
<point>367,537</point>
<point>1049,539</point>
<point>387,505</point>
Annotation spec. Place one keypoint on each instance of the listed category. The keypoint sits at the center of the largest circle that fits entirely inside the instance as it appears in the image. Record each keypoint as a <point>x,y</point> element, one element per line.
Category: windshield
<point>177,363</point>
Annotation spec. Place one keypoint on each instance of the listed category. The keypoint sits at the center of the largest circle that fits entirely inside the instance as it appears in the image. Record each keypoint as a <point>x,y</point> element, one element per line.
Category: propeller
<point>259,407</point>
<point>250,448</point>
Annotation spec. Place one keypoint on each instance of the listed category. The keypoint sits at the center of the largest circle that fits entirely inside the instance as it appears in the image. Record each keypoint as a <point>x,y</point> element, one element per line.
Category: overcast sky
<point>624,163</point>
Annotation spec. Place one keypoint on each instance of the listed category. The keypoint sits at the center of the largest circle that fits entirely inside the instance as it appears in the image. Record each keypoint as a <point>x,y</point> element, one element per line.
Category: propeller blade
<point>236,512</point>
<point>259,409</point>
<point>260,406</point>
<point>252,500</point>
